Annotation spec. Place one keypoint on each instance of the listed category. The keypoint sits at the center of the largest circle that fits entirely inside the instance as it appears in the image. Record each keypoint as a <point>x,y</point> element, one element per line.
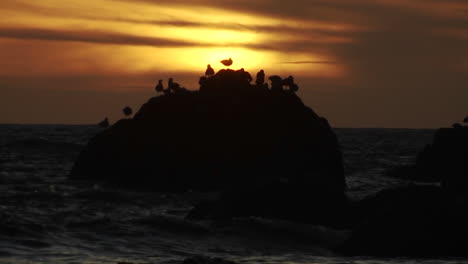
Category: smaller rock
<point>447,158</point>
<point>104,123</point>
<point>413,221</point>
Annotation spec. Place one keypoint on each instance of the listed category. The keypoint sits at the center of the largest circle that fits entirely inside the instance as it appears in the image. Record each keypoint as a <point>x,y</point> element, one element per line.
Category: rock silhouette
<point>271,156</point>
<point>416,221</point>
<point>446,158</point>
<point>423,221</point>
<point>104,123</point>
<point>229,135</point>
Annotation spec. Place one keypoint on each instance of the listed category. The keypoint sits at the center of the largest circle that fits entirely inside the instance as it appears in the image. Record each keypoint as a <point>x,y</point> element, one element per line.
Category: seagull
<point>159,88</point>
<point>127,111</point>
<point>227,62</point>
<point>209,71</point>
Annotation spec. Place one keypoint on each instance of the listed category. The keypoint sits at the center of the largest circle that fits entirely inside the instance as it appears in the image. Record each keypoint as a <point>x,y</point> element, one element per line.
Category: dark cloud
<point>93,37</point>
<point>308,62</point>
<point>405,60</point>
<point>127,39</point>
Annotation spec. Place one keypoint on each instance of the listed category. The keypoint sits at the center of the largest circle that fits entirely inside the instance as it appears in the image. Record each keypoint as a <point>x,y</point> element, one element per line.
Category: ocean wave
<point>41,143</point>
<point>173,224</point>
<point>317,235</point>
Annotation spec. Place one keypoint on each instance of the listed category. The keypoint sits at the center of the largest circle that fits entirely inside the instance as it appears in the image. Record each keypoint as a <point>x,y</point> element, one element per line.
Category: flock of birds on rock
<point>277,83</point>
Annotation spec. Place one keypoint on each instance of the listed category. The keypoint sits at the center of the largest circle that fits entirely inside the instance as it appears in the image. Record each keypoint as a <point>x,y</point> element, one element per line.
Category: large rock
<point>446,159</point>
<point>417,221</point>
<point>227,134</point>
<point>282,200</point>
<point>422,221</point>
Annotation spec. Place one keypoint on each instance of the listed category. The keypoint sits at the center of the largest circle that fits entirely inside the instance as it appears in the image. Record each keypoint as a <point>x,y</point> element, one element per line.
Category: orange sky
<point>360,63</point>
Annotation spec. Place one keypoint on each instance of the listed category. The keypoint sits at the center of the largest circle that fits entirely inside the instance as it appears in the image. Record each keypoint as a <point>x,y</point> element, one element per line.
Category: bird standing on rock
<point>209,71</point>
<point>159,88</point>
<point>227,62</point>
<point>260,78</point>
<point>127,111</point>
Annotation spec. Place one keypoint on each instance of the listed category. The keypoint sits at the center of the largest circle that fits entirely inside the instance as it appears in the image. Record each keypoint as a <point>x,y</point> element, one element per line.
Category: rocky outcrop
<point>422,221</point>
<point>416,221</point>
<point>228,135</point>
<point>303,203</point>
<point>446,158</point>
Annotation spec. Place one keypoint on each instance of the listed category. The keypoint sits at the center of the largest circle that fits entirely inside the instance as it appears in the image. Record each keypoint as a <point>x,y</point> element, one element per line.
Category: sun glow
<point>119,37</point>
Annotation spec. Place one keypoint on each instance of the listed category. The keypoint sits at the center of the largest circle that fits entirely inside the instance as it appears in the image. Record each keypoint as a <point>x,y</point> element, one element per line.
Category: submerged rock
<point>229,134</point>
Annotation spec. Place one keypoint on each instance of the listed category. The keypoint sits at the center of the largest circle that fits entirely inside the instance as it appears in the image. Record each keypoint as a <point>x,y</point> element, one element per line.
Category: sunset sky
<point>359,63</point>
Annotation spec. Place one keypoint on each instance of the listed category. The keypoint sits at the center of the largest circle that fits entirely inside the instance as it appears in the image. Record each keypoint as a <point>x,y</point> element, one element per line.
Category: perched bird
<point>227,62</point>
<point>209,71</point>
<point>260,78</point>
<point>159,88</point>
<point>293,87</point>
<point>127,111</point>
<point>276,83</point>
<point>170,83</point>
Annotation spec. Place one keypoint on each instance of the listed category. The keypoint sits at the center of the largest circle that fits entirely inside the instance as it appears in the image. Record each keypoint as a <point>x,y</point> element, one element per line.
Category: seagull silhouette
<point>127,111</point>
<point>209,71</point>
<point>159,88</point>
<point>227,62</point>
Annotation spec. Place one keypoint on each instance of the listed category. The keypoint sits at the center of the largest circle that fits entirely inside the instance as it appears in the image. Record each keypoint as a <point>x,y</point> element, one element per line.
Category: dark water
<point>46,219</point>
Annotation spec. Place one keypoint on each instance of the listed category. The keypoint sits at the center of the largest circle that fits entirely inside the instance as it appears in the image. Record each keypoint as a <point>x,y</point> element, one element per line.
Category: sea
<point>45,218</point>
